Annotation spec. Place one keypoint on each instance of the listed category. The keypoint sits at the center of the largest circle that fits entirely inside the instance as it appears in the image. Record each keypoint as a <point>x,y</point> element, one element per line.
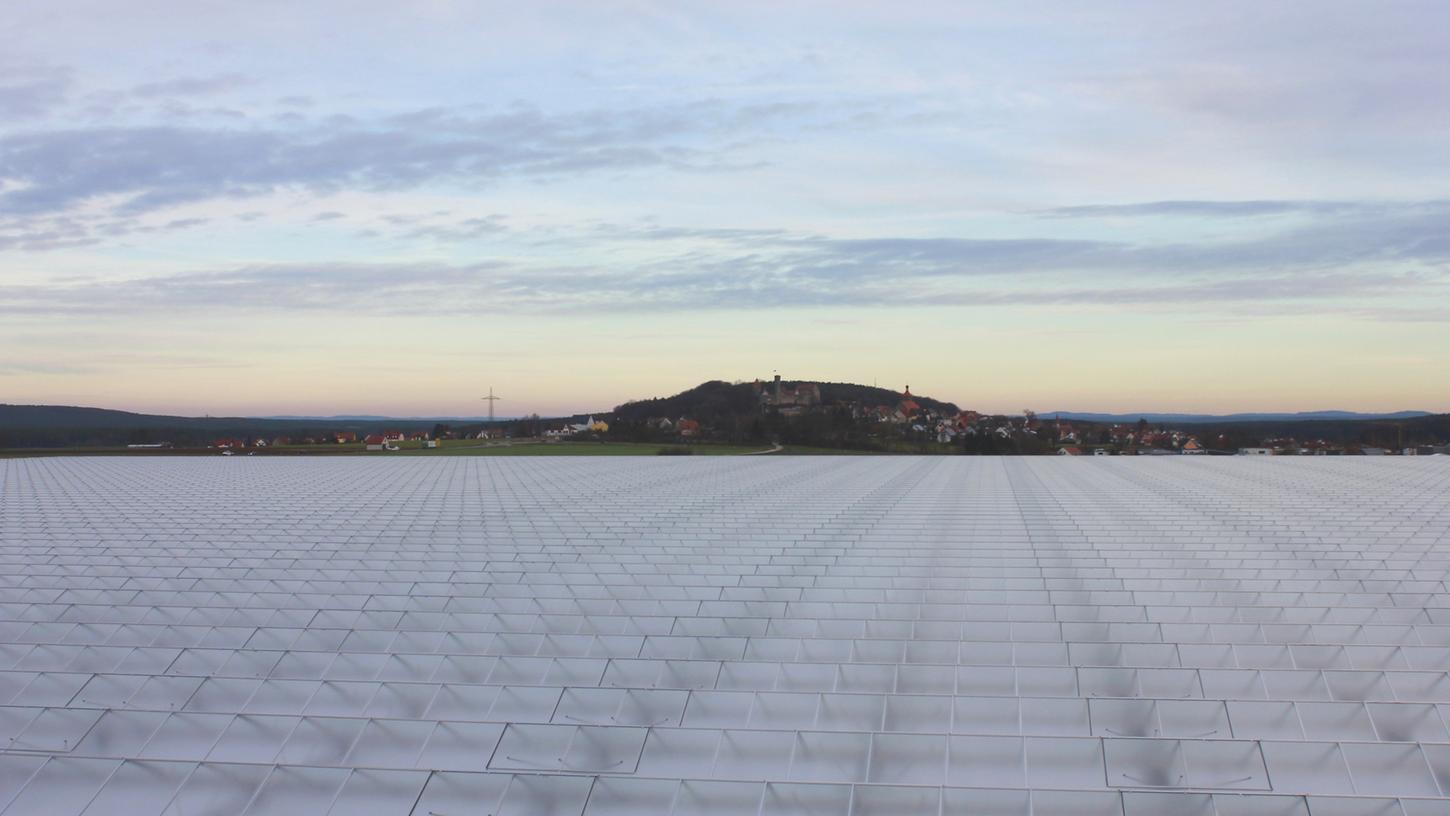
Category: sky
<point>387,208</point>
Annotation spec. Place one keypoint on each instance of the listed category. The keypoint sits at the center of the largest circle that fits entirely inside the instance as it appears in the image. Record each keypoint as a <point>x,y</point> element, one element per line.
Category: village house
<point>591,426</point>
<point>377,442</point>
<point>688,427</point>
<point>344,437</point>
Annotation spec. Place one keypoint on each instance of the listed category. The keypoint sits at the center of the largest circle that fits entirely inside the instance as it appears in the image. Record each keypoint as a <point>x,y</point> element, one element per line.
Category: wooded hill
<point>716,399</point>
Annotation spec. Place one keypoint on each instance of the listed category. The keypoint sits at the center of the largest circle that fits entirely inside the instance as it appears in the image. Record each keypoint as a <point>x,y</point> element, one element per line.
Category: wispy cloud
<point>1414,236</point>
<point>143,168</point>
<point>52,233</point>
<point>191,86</point>
<point>30,91</point>
<point>788,273</point>
<point>1239,209</point>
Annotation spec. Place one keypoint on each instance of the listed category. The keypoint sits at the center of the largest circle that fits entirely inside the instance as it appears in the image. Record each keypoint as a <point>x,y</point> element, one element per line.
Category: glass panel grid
<point>815,634</point>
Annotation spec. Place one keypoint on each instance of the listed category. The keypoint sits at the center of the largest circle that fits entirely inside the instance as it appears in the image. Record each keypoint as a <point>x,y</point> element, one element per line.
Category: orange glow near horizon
<point>558,372</point>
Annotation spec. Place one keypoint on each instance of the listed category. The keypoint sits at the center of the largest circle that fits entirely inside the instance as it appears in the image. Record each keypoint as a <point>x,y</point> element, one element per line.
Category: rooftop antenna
<point>491,400</point>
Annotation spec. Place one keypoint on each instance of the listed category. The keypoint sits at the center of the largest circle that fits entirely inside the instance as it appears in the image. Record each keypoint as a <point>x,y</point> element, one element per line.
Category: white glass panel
<point>139,786</point>
<point>379,793</point>
<point>63,787</point>
<point>827,757</point>
<point>447,793</point>
<point>216,789</point>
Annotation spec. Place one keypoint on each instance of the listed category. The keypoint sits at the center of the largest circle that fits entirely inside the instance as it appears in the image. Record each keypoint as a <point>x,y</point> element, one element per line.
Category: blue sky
<point>284,208</point>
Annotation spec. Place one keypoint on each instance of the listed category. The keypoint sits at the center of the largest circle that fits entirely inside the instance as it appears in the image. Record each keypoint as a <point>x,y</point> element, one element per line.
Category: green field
<point>531,448</point>
<point>449,447</point>
<point>806,450</point>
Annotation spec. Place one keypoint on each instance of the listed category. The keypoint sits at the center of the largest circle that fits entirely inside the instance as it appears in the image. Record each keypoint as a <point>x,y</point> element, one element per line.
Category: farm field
<point>448,447</point>
<point>532,448</point>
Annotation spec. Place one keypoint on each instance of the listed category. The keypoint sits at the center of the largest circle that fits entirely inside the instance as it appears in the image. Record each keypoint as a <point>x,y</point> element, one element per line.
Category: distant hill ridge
<point>73,416</point>
<point>382,418</point>
<point>1304,416</point>
<point>58,426</point>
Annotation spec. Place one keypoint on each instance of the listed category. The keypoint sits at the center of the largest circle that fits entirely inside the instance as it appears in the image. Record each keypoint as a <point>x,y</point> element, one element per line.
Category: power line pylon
<point>491,400</point>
